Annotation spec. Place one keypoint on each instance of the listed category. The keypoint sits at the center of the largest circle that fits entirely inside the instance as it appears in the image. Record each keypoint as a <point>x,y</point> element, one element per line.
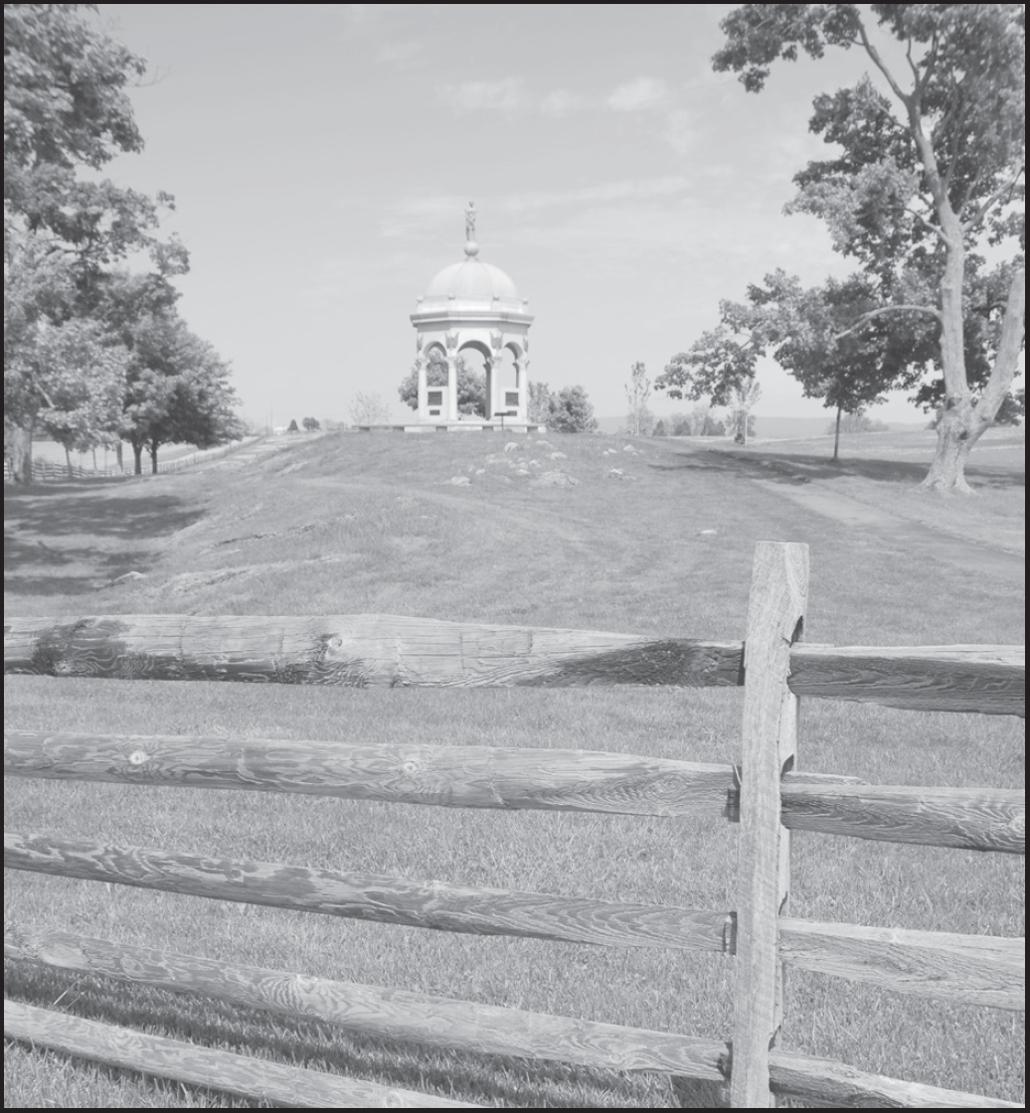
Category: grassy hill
<point>555,531</point>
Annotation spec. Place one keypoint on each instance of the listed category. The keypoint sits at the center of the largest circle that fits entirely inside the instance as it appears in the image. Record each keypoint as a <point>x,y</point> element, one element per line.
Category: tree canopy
<point>924,191</point>
<point>571,411</point>
<point>92,352</point>
<point>721,367</point>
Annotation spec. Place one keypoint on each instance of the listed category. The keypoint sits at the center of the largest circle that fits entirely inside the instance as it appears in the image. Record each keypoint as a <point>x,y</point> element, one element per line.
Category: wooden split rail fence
<point>766,793</point>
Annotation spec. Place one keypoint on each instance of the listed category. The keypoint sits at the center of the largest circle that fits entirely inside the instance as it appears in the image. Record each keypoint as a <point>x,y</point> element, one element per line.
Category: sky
<point>322,155</point>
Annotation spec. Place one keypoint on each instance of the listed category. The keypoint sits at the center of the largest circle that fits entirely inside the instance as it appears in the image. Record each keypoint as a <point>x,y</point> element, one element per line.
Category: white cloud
<point>510,94</point>
<point>425,213</point>
<point>640,94</point>
<point>423,218</point>
<point>563,102</point>
<point>506,95</point>
<point>632,189</point>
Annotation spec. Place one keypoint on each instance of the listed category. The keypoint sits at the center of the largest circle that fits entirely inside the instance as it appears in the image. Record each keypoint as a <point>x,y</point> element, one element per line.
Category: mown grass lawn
<point>652,540</point>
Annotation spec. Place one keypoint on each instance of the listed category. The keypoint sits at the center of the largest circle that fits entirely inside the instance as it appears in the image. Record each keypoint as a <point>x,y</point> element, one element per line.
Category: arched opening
<point>472,379</point>
<point>436,380</point>
<point>506,392</point>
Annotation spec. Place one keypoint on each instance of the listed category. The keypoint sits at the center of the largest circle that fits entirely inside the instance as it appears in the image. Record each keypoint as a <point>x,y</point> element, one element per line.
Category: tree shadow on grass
<point>67,508</point>
<point>40,523</point>
<point>210,1022</point>
<point>799,468</point>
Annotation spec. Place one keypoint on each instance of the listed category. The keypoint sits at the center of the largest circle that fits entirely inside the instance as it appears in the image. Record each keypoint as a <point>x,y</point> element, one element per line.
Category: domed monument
<point>468,306</point>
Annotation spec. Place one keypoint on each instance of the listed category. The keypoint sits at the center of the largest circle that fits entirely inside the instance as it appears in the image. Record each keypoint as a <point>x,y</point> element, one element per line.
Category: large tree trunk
<point>741,419</point>
<point>68,461</point>
<point>962,422</point>
<point>957,431</point>
<point>958,419</point>
<point>19,448</point>
<point>836,435</point>
<point>137,457</point>
<point>154,445</point>
<point>118,457</point>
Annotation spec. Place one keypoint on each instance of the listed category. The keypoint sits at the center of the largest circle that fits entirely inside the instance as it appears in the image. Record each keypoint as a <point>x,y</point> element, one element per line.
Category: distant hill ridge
<point>775,428</point>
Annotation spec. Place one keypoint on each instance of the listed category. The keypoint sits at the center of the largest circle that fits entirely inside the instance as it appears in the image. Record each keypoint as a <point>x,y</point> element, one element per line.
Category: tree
<point>857,422</point>
<point>720,366</point>
<point>37,288</point>
<point>659,429</point>
<point>66,381</point>
<point>739,418</point>
<point>311,424</point>
<point>571,411</point>
<point>809,332</point>
<point>178,389</point>
<point>368,409</point>
<point>539,403</point>
<point>924,184</point>
<point>65,110</point>
<point>85,375</point>
<point>471,384</point>
<point>639,419</point>
<point>293,427</point>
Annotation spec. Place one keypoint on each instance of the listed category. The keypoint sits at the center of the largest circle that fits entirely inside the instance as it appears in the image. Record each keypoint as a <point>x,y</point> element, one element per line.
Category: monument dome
<point>472,281</point>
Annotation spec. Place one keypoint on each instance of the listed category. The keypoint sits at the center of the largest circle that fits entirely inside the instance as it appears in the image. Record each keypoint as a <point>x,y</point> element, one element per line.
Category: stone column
<point>522,385</point>
<point>496,393</point>
<point>423,401</point>
<point>490,389</point>
<point>452,389</point>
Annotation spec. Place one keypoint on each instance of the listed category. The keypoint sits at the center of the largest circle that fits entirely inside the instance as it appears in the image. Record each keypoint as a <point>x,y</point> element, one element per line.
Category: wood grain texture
<point>984,678</point>
<point>776,608</point>
<point>974,969</point>
<point>394,651</point>
<point>388,1013</point>
<point>370,897</point>
<point>225,1071</point>
<point>452,776</point>
<point>825,1082</point>
<point>357,651</point>
<point>970,818</point>
<point>471,1026</point>
<point>522,778</point>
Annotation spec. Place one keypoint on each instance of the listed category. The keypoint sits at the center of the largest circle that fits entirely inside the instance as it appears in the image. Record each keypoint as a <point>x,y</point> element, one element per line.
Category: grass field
<point>557,531</point>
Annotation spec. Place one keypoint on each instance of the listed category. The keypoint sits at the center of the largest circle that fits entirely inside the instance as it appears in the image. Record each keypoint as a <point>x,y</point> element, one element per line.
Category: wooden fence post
<point>776,609</point>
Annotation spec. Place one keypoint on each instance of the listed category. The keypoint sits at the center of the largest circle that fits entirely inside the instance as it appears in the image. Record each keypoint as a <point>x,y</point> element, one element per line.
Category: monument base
<point>453,427</point>
<point>474,427</point>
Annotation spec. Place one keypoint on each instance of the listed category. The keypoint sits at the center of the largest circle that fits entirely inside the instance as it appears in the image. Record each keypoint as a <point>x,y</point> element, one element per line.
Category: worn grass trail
<point>350,524</point>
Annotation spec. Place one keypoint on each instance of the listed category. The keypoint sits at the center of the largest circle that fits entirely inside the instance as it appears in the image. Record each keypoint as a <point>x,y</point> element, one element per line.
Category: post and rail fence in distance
<point>767,794</point>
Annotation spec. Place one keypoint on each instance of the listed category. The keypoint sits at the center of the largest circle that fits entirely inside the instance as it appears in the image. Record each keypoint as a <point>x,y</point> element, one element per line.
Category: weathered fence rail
<point>767,795</point>
<point>522,779</point>
<point>363,651</point>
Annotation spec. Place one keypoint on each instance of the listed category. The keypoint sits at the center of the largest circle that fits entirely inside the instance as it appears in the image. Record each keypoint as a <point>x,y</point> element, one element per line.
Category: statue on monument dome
<point>470,221</point>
